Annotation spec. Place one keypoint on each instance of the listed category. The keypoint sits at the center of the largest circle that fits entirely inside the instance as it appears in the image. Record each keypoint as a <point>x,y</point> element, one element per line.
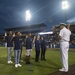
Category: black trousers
<point>43,51</point>
<point>37,55</point>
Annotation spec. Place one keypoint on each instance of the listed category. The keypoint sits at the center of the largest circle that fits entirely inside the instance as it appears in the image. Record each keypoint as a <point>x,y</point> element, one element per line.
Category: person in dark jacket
<point>8,37</point>
<point>21,41</point>
<point>43,48</point>
<point>28,48</point>
<point>37,48</point>
<point>17,49</point>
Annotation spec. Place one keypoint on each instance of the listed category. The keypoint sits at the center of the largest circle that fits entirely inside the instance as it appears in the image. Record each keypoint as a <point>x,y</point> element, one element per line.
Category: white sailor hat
<point>62,24</point>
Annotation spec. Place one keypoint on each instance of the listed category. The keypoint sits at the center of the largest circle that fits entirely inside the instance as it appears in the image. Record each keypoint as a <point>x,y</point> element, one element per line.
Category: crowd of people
<point>14,42</point>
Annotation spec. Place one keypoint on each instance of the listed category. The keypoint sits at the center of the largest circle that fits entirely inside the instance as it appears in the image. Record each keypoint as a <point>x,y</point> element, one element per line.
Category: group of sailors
<point>14,42</point>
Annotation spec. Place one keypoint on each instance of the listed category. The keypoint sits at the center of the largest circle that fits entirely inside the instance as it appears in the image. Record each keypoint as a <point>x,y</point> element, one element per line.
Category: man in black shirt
<point>28,48</point>
<point>43,48</point>
<point>21,40</point>
<point>8,37</point>
<point>17,49</point>
<point>37,48</point>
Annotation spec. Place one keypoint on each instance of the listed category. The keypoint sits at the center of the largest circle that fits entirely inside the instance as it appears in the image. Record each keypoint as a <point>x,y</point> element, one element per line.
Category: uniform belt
<point>65,40</point>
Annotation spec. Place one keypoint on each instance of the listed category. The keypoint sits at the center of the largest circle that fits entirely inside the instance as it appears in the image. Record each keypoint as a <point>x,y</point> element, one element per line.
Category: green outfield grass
<point>51,64</point>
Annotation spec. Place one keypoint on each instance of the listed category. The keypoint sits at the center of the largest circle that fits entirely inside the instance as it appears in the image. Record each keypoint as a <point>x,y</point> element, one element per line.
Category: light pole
<point>65,6</point>
<point>27,18</point>
<point>27,15</point>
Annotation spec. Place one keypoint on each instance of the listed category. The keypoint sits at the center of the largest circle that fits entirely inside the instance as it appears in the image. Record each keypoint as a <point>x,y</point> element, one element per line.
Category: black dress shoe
<point>37,61</point>
<point>28,62</point>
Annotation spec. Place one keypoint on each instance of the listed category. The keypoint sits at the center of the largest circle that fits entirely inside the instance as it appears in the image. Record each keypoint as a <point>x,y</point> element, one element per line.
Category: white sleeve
<point>61,33</point>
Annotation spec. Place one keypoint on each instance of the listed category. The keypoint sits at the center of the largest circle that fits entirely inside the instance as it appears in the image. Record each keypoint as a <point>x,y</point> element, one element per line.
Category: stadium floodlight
<point>27,15</point>
<point>65,4</point>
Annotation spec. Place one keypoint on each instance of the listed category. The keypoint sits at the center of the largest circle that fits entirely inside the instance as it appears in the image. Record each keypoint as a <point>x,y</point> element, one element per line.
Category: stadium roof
<point>71,20</point>
<point>29,28</point>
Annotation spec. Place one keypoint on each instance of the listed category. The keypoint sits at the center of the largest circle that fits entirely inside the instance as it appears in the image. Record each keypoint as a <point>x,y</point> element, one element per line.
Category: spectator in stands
<point>8,37</point>
<point>54,45</point>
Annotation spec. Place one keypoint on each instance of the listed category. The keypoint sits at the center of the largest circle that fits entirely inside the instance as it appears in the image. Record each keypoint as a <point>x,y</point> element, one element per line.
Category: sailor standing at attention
<point>37,48</point>
<point>28,48</point>
<point>43,49</point>
<point>17,48</point>
<point>8,37</point>
<point>64,37</point>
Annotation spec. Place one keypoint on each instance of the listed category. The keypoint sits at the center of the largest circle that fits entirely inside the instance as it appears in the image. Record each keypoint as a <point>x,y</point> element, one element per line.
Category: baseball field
<point>51,65</point>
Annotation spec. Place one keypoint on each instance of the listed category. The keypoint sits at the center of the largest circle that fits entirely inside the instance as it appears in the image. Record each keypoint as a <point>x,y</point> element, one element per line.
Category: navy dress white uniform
<point>43,49</point>
<point>9,47</point>
<point>17,51</point>
<point>64,47</point>
<point>37,50</point>
<point>28,49</point>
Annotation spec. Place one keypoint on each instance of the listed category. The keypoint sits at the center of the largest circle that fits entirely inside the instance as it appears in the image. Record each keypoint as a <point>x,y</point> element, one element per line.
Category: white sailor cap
<point>62,24</point>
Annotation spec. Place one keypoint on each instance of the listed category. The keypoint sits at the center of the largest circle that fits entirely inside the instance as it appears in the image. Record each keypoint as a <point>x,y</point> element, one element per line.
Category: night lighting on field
<point>27,15</point>
<point>65,4</point>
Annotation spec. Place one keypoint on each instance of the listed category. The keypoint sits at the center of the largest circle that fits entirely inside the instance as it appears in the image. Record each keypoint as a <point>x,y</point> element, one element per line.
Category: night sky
<point>12,12</point>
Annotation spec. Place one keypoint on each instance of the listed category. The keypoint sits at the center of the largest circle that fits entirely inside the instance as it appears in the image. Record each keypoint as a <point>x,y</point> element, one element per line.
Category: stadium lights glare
<point>43,33</point>
<point>27,15</point>
<point>65,4</point>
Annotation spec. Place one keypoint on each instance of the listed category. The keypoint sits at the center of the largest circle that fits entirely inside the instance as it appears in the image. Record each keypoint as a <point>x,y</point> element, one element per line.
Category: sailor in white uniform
<point>64,37</point>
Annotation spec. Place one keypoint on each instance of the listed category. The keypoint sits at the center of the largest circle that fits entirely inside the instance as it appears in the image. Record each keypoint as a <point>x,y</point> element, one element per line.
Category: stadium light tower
<point>27,15</point>
<point>65,4</point>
